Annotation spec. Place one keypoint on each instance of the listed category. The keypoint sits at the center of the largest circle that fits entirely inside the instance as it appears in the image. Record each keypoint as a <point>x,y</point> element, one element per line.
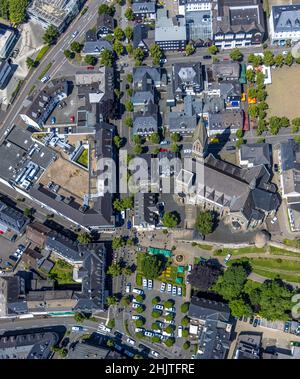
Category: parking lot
<point>8,248</point>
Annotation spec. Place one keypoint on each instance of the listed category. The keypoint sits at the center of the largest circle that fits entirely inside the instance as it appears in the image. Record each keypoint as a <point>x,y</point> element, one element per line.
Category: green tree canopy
<point>84,238</point>
<point>155,53</point>
<point>155,313</point>
<point>138,55</point>
<point>105,9</point>
<point>204,222</point>
<point>129,14</point>
<point>240,308</point>
<point>129,106</point>
<point>128,31</point>
<point>236,55</point>
<point>175,137</point>
<point>268,58</point>
<point>106,58</point>
<point>118,33</point>
<point>212,49</point>
<point>169,341</point>
<point>152,266</point>
<point>230,284</point>
<point>30,63</point>
<point>171,219</point>
<point>114,269</point>
<point>16,10</point>
<point>69,54</point>
<point>118,242</point>
<point>111,300</point>
<point>154,138</point>
<point>250,76</point>
<point>185,321</point>
<point>51,34</point>
<point>128,122</point>
<point>189,49</point>
<point>239,133</point>
<point>90,60</point>
<point>185,307</point>
<point>76,47</point>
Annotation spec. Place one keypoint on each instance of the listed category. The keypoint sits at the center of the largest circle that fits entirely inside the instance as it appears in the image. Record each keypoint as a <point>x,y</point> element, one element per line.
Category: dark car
<point>255,322</point>
<point>251,320</point>
<point>13,258</point>
<point>276,167</point>
<point>287,327</point>
<point>206,56</point>
<point>129,224</point>
<point>230,148</point>
<point>118,335</point>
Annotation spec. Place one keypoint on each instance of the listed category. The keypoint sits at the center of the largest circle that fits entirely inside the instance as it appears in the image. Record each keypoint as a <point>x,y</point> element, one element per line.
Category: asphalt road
<point>55,55</point>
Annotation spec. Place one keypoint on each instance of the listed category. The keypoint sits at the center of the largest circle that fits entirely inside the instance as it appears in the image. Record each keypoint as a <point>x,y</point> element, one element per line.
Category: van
<point>179,331</point>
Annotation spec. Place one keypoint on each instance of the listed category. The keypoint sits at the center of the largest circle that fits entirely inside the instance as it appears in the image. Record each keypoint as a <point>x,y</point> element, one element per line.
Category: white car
<point>284,52</point>
<point>123,215</point>
<point>75,33</point>
<point>274,219</point>
<point>169,287</point>
<point>162,287</point>
<point>145,283</point>
<point>138,291</point>
<point>179,331</point>
<point>168,334</point>
<point>136,305</point>
<point>129,340</point>
<point>148,333</point>
<point>128,288</point>
<point>172,322</point>
<point>150,284</point>
<point>45,79</point>
<point>76,328</point>
<point>137,330</point>
<point>104,328</point>
<point>135,317</point>
<point>172,310</point>
<point>174,290</point>
<point>190,267</point>
<point>159,307</point>
<point>227,258</point>
<point>154,353</point>
<point>179,291</point>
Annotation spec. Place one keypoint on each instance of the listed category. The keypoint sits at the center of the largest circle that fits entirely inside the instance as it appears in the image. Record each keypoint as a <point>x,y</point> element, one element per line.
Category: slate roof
<point>286,18</point>
<point>256,153</point>
<point>65,247</point>
<point>143,6</point>
<point>187,77</point>
<point>95,47</point>
<point>105,20</point>
<point>144,207</point>
<point>226,70</point>
<point>203,309</point>
<point>12,218</point>
<point>150,73</point>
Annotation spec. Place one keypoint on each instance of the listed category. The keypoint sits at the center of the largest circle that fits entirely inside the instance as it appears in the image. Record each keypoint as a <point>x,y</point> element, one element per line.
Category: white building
<point>193,6</point>
<point>284,24</point>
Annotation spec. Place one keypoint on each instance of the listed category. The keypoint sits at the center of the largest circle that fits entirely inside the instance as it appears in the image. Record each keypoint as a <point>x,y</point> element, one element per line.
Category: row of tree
<point>14,10</point>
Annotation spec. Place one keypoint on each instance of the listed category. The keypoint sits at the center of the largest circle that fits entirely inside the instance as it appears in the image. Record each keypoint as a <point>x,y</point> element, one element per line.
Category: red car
<point>90,67</point>
<point>72,119</point>
<point>163,150</point>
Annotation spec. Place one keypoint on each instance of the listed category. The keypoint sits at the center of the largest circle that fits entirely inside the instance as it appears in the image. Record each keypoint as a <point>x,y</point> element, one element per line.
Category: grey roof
<point>145,121</point>
<point>142,36</point>
<point>145,72</point>
<point>142,97</point>
<point>248,346</point>
<point>92,295</point>
<point>105,21</point>
<point>144,204</point>
<point>187,77</point>
<point>143,6</point>
<point>290,165</point>
<point>225,121</point>
<point>12,301</point>
<point>168,29</point>
<point>204,309</point>
<point>95,47</point>
<point>256,153</point>
<point>179,121</point>
<point>12,218</point>
<point>226,70</point>
<point>63,246</point>
<point>286,18</point>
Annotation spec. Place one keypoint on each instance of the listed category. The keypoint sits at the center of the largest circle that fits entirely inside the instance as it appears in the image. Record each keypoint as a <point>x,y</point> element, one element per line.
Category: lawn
<point>277,251</point>
<point>293,243</point>
<point>63,272</point>
<point>202,246</point>
<point>42,52</point>
<point>241,251</point>
<point>83,158</point>
<point>272,275</point>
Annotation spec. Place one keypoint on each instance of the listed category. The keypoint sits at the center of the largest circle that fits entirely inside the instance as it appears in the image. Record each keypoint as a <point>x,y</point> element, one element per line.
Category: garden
<point>62,272</point>
<point>83,158</point>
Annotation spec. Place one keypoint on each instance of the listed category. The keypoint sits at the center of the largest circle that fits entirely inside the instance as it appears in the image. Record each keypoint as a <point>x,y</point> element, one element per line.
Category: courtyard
<point>284,92</point>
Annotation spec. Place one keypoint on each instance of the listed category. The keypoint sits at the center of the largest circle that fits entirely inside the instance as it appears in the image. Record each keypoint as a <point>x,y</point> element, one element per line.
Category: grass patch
<point>276,264</point>
<point>272,275</point>
<point>83,159</point>
<point>41,53</point>
<point>293,243</point>
<point>31,90</point>
<point>16,91</point>
<point>202,246</point>
<point>139,279</point>
<point>241,251</point>
<point>44,72</point>
<point>277,251</point>
<point>63,272</point>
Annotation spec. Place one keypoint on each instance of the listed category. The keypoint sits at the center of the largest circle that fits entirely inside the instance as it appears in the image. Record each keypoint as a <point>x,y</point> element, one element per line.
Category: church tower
<point>200,144</point>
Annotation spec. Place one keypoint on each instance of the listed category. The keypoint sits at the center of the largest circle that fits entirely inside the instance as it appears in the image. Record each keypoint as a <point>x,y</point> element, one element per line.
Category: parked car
<point>137,330</point>
<point>174,290</point>
<point>179,291</point>
<point>53,120</point>
<point>276,167</point>
<point>230,148</point>
<point>136,305</point>
<point>13,258</point>
<point>75,33</point>
<point>162,287</point>
<point>169,287</point>
<point>128,288</point>
<point>118,334</point>
<point>150,284</point>
<point>163,60</point>
<point>135,317</point>
<point>154,353</point>
<point>227,258</point>
<point>274,219</point>
<point>164,142</point>
<point>148,333</point>
<point>251,320</point>
<point>131,341</point>
<point>77,328</point>
<point>145,283</point>
<point>45,79</point>
<point>190,267</point>
<point>287,327</point>
<point>159,307</point>
<point>138,291</point>
<point>179,331</point>
<point>129,224</point>
<point>255,322</point>
<point>172,309</point>
<point>72,119</point>
<point>172,322</point>
<point>206,56</point>
<point>298,331</point>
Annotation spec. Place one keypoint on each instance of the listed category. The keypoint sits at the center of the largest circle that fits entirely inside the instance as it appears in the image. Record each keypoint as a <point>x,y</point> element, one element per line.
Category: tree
<point>185,333</point>
<point>129,106</point>
<point>129,49</point>
<point>169,329</point>
<point>84,238</point>
<point>139,335</point>
<point>252,93</point>
<point>128,122</point>
<point>189,49</point>
<point>90,60</point>
<point>30,63</point>
<point>106,58</point>
<point>289,59</point>
<point>17,10</point>
<point>155,339</point>
<point>257,61</point>
<point>169,341</point>
<point>155,313</point>
<point>260,78</point>
<point>239,143</point>
<point>137,139</point>
<point>138,149</point>
<point>174,148</point>
<point>118,33</point>
<point>140,309</point>
<point>175,137</point>
<point>239,133</point>
<point>169,303</point>
<point>76,47</point>
<point>110,343</point>
<point>231,283</point>
<point>139,323</point>
<point>185,307</point>
<point>128,31</point>
<point>284,122</point>
<point>204,223</point>
<point>51,34</point>
<point>138,55</point>
<point>203,277</point>
<point>155,326</point>
<point>171,219</point>
<point>253,110</point>
<point>154,138</point>
<point>268,58</point>
<point>125,301</point>
<point>212,49</point>
<point>114,269</point>
<point>105,9</point>
<point>279,60</point>
<point>186,345</point>
<point>296,121</point>
<point>155,53</point>
<point>261,95</point>
<point>240,308</point>
<point>170,317</point>
<point>111,300</point>
<point>69,54</point>
<point>185,321</point>
<point>27,212</point>
<point>129,14</point>
<point>236,55</point>
<point>111,323</point>
<point>250,76</point>
<point>155,300</point>
<point>118,141</point>
<point>274,124</point>
<point>118,242</point>
<point>152,266</point>
<point>297,60</point>
<point>79,317</point>
<point>129,77</point>
<point>139,298</point>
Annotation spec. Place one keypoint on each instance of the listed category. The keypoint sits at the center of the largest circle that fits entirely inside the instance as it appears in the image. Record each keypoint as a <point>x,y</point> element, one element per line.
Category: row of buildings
<point>224,23</point>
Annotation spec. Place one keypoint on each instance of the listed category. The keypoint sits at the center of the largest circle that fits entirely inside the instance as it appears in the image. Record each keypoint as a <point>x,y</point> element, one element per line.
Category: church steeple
<point>200,143</point>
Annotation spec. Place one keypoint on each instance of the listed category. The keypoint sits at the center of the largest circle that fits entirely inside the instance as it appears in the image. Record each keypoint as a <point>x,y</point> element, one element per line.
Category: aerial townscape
<point>150,179</point>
